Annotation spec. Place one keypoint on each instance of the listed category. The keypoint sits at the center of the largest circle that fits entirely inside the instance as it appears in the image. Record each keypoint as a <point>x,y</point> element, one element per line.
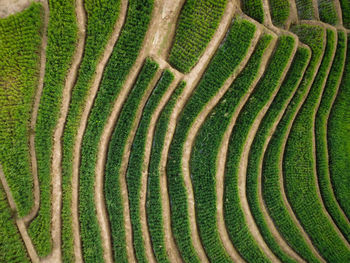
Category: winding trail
<point>36,188</point>
<point>56,170</point>
<point>339,12</point>
<point>77,146</point>
<point>19,222</point>
<point>221,160</point>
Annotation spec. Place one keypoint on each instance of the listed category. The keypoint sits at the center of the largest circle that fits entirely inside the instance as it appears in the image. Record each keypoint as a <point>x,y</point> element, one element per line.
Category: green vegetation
<point>327,11</point>
<point>197,23</point>
<point>123,57</point>
<point>204,161</point>
<point>101,17</point>
<point>12,248</point>
<point>271,172</point>
<point>62,33</point>
<point>298,166</point>
<point>339,140</point>
<point>305,9</point>
<point>254,9</point>
<point>284,95</point>
<point>229,55</point>
<point>20,39</point>
<point>322,115</point>
<point>154,196</point>
<point>345,7</point>
<point>279,10</point>
<point>234,217</point>
<point>136,159</point>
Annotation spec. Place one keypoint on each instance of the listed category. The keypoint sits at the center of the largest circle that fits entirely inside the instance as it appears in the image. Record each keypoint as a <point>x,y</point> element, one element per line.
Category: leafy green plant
<point>327,11</point>
<point>305,9</point>
<point>225,61</point>
<point>338,139</point>
<point>20,40</point>
<point>271,172</point>
<point>197,23</point>
<point>123,57</point>
<point>154,196</point>
<point>236,225</point>
<point>299,163</point>
<point>322,162</point>
<point>254,9</point>
<point>345,8</point>
<point>62,33</point>
<point>101,17</point>
<point>279,10</point>
<point>256,153</point>
<point>204,161</point>
<point>136,159</point>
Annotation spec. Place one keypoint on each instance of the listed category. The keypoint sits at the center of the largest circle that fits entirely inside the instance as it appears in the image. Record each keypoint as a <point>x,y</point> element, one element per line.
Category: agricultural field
<point>171,131</point>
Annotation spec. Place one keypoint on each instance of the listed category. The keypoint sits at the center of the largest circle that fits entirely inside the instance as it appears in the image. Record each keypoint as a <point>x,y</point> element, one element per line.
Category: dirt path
<point>221,160</point>
<point>10,7</point>
<point>339,12</point>
<point>56,181</point>
<point>19,222</point>
<point>36,189</point>
<point>77,146</point>
<point>315,6</point>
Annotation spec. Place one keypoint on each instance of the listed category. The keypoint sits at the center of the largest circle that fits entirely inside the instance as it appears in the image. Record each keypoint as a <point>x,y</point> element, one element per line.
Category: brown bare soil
<point>10,7</point>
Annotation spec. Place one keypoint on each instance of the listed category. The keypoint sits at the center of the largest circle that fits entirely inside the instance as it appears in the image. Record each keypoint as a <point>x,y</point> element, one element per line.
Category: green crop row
<point>20,39</point>
<point>101,17</point>
<point>271,172</point>
<point>229,55</point>
<point>339,140</point>
<point>234,217</point>
<point>327,11</point>
<point>136,161</point>
<point>12,248</point>
<point>284,95</point>
<point>197,23</point>
<point>345,8</point>
<point>299,163</point>
<point>279,10</point>
<point>323,111</point>
<point>305,9</point>
<point>62,36</point>
<point>123,57</point>
<point>154,195</point>
<point>254,9</point>
<point>204,161</point>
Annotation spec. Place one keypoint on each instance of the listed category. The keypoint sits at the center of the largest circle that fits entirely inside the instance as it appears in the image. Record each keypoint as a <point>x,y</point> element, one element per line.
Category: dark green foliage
<point>298,166</point>
<point>203,161</point>
<point>136,159</point>
<point>305,9</point>
<point>271,172</point>
<point>322,115</point>
<point>234,217</point>
<point>254,9</point>
<point>101,17</point>
<point>327,11</point>
<point>12,248</point>
<point>345,8</point>
<point>123,57</point>
<point>62,30</point>
<point>279,10</point>
<point>20,39</point>
<point>284,95</point>
<point>197,23</point>
<point>154,195</point>
<point>225,61</point>
<point>339,140</point>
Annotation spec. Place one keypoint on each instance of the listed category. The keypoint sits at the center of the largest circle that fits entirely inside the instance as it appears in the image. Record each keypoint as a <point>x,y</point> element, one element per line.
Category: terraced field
<point>174,131</point>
